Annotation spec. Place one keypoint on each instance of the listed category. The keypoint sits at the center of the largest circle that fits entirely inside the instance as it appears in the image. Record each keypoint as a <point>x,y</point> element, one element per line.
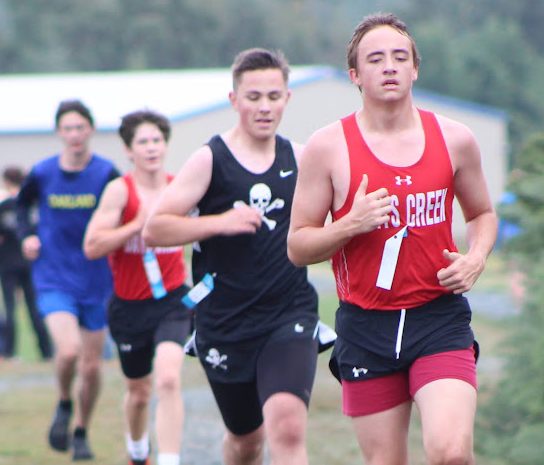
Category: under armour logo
<point>125,347</point>
<point>357,371</point>
<point>407,180</point>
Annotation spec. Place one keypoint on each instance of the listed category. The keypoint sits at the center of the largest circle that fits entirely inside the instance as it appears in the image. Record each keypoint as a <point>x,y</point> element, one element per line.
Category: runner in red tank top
<point>421,196</point>
<point>147,320</point>
<point>388,174</point>
<point>129,275</point>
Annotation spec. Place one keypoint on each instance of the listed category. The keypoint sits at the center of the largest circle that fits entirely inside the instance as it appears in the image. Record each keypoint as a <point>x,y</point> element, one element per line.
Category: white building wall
<point>312,106</point>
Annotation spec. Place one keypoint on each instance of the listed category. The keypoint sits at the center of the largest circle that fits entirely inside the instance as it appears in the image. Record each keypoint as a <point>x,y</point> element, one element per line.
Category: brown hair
<point>371,22</point>
<point>66,106</point>
<point>131,121</point>
<point>258,58</point>
<point>14,175</point>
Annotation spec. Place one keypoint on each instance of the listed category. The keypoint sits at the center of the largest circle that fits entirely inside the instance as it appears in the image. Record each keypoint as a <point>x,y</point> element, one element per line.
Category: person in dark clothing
<point>15,270</point>
<point>256,332</point>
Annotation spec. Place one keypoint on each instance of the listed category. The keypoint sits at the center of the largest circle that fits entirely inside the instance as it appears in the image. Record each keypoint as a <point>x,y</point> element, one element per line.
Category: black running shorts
<point>138,326</point>
<point>376,343</point>
<point>244,375</point>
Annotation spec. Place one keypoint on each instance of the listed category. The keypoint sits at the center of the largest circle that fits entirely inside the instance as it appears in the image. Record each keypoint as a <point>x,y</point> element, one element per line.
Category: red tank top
<point>129,277</point>
<point>395,266</point>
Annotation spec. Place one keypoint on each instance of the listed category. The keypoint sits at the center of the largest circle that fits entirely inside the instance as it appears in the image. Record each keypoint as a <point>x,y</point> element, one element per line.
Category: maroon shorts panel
<point>379,394</point>
<point>374,395</point>
<point>455,364</point>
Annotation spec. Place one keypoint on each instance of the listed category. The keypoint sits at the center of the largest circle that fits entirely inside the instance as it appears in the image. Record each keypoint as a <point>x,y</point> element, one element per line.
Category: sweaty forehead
<point>261,80</point>
<point>146,127</point>
<point>72,118</point>
<point>383,38</point>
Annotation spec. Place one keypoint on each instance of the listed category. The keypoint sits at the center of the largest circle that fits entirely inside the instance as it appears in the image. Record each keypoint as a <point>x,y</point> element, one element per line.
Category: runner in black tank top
<point>255,281</point>
<point>256,330</point>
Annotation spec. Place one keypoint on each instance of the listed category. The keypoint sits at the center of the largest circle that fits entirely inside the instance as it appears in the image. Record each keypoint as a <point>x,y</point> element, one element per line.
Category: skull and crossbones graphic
<point>215,359</point>
<point>260,198</point>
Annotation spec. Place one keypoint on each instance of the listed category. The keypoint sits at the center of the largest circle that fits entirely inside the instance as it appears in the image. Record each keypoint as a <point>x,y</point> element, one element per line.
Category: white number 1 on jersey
<point>389,259</point>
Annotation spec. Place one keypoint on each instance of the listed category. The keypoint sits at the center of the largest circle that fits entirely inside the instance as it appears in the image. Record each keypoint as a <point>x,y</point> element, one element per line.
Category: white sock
<point>168,459</point>
<point>139,449</point>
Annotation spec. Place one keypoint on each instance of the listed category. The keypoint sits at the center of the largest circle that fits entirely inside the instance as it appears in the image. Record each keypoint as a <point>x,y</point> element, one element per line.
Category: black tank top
<point>257,288</point>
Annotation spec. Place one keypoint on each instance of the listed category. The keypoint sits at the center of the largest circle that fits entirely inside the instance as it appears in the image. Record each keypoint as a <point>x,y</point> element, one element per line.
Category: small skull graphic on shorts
<point>215,359</point>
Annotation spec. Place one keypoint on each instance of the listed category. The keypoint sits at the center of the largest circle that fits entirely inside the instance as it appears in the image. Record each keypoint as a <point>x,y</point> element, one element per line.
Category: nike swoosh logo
<point>284,174</point>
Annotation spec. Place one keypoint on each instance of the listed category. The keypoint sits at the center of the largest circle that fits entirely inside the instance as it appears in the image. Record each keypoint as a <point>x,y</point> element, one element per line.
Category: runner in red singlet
<point>147,320</point>
<point>388,174</point>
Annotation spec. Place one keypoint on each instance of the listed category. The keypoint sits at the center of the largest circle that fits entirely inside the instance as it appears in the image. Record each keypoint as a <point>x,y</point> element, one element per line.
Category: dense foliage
<point>489,51</point>
<point>513,419</point>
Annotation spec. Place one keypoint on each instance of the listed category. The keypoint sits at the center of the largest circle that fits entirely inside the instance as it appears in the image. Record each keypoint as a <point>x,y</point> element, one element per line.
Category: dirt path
<point>203,429</point>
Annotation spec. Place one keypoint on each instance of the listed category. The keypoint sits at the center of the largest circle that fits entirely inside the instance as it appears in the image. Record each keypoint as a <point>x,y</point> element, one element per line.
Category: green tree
<point>513,418</point>
<point>489,51</point>
<point>492,64</point>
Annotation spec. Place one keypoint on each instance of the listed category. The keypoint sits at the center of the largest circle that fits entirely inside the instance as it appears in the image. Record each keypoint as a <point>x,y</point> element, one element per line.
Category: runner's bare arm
<point>171,222</point>
<point>104,233</point>
<point>473,196</point>
<point>318,190</point>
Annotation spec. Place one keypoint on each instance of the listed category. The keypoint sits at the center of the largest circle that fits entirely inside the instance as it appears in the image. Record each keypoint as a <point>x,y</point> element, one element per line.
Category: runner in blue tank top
<point>71,290</point>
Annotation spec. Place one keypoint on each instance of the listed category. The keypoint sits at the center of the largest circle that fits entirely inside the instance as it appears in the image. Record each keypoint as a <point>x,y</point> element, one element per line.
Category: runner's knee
<point>448,453</point>
<point>67,354</point>
<point>167,383</point>
<point>285,420</point>
<point>139,394</point>
<point>90,368</point>
<point>246,447</point>
<point>289,431</point>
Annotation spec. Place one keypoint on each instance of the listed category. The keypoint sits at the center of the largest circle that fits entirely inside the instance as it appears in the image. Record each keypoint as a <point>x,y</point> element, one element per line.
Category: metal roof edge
<point>463,104</point>
<point>307,74</point>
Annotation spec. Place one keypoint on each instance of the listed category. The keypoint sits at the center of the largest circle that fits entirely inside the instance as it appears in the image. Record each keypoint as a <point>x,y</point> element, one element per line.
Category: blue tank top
<point>257,288</point>
<point>66,201</point>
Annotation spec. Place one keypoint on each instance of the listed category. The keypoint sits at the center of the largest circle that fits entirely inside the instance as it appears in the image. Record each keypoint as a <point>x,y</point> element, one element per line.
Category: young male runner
<point>71,290</point>
<point>146,317</point>
<point>388,174</point>
<point>256,331</point>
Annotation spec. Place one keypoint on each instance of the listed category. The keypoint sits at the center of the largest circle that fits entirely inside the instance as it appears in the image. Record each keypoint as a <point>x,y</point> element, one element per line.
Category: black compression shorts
<point>244,375</point>
<point>138,326</point>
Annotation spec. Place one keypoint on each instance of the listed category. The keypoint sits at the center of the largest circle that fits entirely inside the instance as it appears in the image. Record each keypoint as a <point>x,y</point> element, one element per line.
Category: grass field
<point>27,396</point>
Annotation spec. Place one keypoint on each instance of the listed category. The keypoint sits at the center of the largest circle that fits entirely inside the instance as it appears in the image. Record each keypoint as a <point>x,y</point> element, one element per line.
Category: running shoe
<point>81,449</point>
<point>139,462</point>
<point>59,438</point>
